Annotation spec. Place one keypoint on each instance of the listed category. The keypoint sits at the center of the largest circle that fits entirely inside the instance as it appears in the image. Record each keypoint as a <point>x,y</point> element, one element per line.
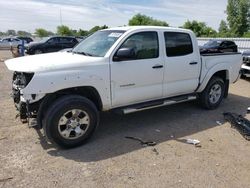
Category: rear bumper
<point>245,70</point>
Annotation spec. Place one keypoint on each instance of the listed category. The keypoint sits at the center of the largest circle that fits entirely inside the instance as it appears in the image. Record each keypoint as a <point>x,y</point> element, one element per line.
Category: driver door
<point>140,78</point>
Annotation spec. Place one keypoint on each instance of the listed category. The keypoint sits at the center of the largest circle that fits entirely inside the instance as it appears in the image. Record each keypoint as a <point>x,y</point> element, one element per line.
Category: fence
<point>242,43</point>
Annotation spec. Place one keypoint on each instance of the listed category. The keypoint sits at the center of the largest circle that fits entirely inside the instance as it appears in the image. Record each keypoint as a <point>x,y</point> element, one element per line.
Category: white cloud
<point>31,14</point>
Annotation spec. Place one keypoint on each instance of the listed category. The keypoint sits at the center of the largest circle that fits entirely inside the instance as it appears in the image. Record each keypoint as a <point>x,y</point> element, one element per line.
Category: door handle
<point>157,67</point>
<point>193,63</point>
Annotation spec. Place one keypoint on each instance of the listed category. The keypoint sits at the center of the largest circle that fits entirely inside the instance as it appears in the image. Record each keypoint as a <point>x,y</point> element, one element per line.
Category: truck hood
<point>50,62</point>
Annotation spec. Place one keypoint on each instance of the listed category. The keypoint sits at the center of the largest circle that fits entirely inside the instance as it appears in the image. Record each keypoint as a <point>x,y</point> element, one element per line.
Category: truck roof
<point>126,28</point>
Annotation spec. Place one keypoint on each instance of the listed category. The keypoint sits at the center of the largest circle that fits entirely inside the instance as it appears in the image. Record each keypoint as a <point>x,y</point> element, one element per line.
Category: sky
<point>31,14</point>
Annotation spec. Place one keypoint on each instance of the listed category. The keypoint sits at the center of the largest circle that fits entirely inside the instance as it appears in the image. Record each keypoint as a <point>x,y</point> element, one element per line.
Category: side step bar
<point>155,104</point>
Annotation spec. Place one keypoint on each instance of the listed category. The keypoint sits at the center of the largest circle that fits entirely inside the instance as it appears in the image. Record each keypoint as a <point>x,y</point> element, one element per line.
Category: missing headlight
<point>21,80</point>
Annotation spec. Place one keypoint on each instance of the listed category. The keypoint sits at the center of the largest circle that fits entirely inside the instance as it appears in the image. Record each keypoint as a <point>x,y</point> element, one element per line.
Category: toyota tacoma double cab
<point>123,69</point>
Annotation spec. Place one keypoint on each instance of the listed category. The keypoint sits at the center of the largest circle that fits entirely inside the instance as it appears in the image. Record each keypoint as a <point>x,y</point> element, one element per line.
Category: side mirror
<point>124,54</point>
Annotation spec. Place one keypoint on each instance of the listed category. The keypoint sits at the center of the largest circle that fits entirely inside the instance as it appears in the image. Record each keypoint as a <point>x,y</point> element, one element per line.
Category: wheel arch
<point>224,74</point>
<point>86,91</point>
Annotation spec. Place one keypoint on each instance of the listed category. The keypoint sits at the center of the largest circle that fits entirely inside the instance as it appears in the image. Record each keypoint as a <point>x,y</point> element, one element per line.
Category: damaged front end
<point>20,81</point>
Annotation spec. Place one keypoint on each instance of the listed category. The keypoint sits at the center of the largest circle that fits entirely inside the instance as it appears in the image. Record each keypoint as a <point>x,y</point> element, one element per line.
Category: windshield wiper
<point>82,53</point>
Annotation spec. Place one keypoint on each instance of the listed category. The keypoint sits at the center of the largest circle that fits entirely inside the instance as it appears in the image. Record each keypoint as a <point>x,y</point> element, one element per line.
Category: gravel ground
<point>111,160</point>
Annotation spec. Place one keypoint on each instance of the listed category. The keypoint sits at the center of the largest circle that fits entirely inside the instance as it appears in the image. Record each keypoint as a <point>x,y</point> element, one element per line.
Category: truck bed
<point>220,61</point>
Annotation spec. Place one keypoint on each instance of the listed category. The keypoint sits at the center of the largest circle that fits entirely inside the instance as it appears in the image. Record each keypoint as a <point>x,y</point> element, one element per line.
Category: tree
<point>82,32</point>
<point>64,30</point>
<point>238,16</point>
<point>247,35</point>
<point>140,19</point>
<point>97,28</point>
<point>23,33</point>
<point>200,28</point>
<point>223,29</point>
<point>11,32</point>
<point>40,32</point>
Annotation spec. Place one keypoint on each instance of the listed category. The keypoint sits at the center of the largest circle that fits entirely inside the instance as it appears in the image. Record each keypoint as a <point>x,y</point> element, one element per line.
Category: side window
<point>15,40</point>
<point>53,40</point>
<point>65,40</point>
<point>178,44</point>
<point>231,43</point>
<point>224,44</point>
<point>144,44</point>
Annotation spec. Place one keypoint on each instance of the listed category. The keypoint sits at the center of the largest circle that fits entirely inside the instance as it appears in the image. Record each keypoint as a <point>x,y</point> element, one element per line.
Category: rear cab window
<point>178,44</point>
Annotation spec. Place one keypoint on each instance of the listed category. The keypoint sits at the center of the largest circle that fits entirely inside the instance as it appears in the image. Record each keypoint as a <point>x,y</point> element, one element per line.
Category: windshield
<point>44,39</point>
<point>212,43</point>
<point>99,43</point>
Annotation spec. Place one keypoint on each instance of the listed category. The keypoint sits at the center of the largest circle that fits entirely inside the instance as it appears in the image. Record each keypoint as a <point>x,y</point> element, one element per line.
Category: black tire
<point>58,110</point>
<point>205,97</point>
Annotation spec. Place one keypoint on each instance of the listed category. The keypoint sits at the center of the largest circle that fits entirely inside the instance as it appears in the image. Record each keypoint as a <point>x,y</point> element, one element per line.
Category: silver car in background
<point>7,43</point>
<point>245,68</point>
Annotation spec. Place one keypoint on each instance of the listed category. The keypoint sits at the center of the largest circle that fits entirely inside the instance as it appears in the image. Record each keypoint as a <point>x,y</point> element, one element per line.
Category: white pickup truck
<point>124,69</point>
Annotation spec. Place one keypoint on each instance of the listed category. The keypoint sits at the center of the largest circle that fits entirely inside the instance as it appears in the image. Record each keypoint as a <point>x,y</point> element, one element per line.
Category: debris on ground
<point>240,123</point>
<point>218,122</point>
<point>155,151</point>
<point>194,142</point>
<point>6,179</point>
<point>142,142</point>
<point>248,110</point>
<point>3,138</point>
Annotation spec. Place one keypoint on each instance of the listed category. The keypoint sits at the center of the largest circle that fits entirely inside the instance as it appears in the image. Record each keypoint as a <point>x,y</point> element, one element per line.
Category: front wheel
<point>70,121</point>
<point>213,94</point>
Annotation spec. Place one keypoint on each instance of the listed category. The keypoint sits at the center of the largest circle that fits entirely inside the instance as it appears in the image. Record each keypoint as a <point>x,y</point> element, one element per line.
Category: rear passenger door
<point>67,42</point>
<point>182,64</point>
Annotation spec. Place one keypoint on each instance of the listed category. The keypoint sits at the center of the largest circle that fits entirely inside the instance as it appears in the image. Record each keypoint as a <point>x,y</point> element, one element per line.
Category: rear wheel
<point>213,94</point>
<point>70,121</point>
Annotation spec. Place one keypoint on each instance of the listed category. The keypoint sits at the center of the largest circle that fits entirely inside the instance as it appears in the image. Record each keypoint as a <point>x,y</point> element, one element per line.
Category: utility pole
<point>60,16</point>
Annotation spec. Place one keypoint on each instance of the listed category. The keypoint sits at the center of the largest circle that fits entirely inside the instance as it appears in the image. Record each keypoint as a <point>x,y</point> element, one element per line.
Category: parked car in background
<point>81,38</point>
<point>246,64</point>
<point>7,43</point>
<point>219,46</point>
<point>27,39</point>
<point>50,44</point>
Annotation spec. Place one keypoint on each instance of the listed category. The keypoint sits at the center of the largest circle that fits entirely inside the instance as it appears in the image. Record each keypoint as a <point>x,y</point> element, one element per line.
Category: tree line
<point>236,25</point>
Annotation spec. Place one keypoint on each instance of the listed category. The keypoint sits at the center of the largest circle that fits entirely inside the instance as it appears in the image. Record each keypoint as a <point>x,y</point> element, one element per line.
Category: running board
<point>159,103</point>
